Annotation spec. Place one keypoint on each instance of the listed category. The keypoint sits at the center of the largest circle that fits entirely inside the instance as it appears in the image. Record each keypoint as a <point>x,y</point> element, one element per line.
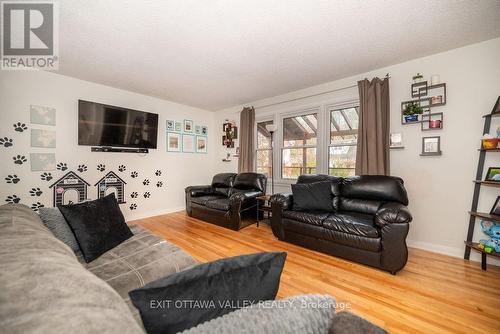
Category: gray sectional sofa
<point>46,288</point>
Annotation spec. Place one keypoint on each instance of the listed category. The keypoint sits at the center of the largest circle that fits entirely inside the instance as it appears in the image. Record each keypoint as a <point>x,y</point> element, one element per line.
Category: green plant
<point>413,108</point>
<point>417,76</point>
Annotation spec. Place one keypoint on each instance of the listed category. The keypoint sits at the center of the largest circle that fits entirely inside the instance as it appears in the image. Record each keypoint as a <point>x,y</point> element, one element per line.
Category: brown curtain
<point>372,156</point>
<point>247,149</point>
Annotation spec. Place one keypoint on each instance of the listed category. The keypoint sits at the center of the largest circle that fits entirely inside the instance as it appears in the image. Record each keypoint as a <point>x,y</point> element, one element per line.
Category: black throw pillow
<point>313,196</point>
<point>207,291</point>
<point>98,225</point>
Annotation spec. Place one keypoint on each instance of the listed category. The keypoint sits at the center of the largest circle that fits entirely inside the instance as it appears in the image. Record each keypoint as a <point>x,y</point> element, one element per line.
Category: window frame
<point>298,112</point>
<point>328,111</point>
<point>262,120</point>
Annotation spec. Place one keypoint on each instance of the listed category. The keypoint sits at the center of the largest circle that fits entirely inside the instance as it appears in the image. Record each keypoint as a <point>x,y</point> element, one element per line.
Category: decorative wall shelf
<point>427,97</point>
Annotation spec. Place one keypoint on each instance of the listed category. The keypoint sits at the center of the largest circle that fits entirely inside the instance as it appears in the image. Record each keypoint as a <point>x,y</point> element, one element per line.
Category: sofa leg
<point>393,273</point>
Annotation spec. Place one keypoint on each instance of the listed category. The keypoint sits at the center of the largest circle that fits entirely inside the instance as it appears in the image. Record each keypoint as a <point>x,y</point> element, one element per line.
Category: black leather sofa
<point>228,200</point>
<point>369,222</point>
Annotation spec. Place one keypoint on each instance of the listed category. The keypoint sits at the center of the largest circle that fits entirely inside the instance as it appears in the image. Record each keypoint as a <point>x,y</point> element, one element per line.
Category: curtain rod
<point>312,95</point>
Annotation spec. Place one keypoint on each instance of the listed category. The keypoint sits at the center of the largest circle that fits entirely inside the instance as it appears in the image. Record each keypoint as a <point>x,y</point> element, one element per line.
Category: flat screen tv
<point>104,125</point>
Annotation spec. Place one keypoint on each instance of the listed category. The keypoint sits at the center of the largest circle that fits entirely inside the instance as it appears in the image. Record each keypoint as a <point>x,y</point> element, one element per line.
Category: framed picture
<point>178,126</point>
<point>431,146</point>
<point>432,122</point>
<point>493,174</point>
<point>170,125</point>
<point>188,125</point>
<point>396,140</point>
<point>227,127</point>
<point>188,143</point>
<point>204,130</point>
<point>234,131</point>
<point>197,130</point>
<point>201,144</point>
<point>495,210</point>
<point>173,142</point>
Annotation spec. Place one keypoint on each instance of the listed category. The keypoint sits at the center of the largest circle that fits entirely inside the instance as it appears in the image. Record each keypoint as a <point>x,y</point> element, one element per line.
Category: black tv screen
<point>104,125</point>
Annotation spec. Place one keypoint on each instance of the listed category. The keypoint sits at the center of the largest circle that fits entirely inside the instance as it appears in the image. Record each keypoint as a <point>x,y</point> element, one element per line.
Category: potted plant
<point>411,112</point>
<point>417,78</point>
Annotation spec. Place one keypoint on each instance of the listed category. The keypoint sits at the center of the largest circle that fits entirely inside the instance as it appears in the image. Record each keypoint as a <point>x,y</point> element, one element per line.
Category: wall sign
<point>113,182</point>
<point>69,183</point>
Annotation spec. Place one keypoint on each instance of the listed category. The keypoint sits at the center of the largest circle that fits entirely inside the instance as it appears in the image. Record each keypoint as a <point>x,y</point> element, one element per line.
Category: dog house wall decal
<point>70,181</point>
<point>111,180</point>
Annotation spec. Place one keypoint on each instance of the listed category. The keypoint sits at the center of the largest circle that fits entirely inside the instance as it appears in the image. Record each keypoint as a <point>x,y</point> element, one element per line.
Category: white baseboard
<point>154,213</point>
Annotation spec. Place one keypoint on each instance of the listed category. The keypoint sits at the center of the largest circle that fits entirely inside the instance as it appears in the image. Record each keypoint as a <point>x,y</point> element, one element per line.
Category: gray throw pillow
<point>306,314</point>
<point>55,222</point>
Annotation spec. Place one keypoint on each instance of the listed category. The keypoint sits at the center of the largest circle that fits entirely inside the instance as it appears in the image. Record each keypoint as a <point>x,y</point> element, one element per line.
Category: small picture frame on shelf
<point>431,146</point>
<point>493,174</point>
<point>396,140</point>
<point>170,125</point>
<point>432,122</point>
<point>188,126</point>
<point>495,210</point>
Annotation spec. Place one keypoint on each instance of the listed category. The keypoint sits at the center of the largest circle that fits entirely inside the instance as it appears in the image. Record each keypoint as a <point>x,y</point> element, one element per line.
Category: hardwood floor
<point>434,293</point>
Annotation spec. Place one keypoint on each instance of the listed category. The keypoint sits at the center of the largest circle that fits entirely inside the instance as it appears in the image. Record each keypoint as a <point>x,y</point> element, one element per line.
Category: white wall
<point>440,188</point>
<point>19,89</point>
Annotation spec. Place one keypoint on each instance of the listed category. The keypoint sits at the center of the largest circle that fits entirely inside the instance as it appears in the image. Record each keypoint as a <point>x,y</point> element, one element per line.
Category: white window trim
<point>264,118</point>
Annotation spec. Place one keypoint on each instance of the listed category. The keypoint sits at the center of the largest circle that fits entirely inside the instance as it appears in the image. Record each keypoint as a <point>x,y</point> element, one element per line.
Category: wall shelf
<point>486,216</point>
<point>487,183</point>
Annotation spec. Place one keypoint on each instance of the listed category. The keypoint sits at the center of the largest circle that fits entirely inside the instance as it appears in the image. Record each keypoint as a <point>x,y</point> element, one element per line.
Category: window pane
<point>342,160</point>
<point>263,136</point>
<point>298,161</point>
<point>264,162</point>
<point>300,130</point>
<point>344,126</point>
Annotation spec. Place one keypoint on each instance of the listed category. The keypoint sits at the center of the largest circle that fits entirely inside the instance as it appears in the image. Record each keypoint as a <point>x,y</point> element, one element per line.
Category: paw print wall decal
<point>20,127</point>
<point>134,194</point>
<point>145,182</point>
<point>101,167</point>
<point>12,179</point>
<point>36,206</point>
<point>159,184</point>
<point>6,142</point>
<point>36,192</point>
<point>147,194</point>
<point>62,166</point>
<point>134,175</point>
<point>12,199</point>
<point>121,168</point>
<point>158,173</point>
<point>133,206</point>
<point>19,159</point>
<point>82,168</point>
<point>46,176</point>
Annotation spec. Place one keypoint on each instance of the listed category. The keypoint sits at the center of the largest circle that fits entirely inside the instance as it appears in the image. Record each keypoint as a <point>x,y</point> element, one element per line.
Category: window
<point>300,135</point>
<point>264,152</point>
<point>343,141</point>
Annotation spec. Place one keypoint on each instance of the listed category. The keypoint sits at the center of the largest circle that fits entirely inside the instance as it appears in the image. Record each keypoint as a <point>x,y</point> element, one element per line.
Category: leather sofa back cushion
<point>254,181</point>
<point>222,183</point>
<point>336,183</point>
<point>376,188</point>
<point>312,196</point>
<point>365,206</point>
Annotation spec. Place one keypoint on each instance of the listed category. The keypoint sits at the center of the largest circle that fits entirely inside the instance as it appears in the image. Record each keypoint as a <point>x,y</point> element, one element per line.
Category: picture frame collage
<point>186,137</point>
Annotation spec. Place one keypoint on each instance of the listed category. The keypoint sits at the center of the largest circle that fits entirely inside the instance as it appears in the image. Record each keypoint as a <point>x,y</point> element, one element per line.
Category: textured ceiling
<point>215,54</point>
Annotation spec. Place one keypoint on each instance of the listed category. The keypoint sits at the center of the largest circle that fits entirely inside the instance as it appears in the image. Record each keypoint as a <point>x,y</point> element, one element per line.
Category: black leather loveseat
<point>230,198</point>
<point>368,224</point>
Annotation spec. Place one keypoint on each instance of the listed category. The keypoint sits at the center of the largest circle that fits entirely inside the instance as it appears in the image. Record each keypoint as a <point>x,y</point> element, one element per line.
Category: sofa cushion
<point>218,204</point>
<point>247,181</point>
<point>98,225</point>
<point>139,260</point>
<point>224,284</point>
<point>375,187</point>
<point>202,200</point>
<point>313,196</point>
<point>352,240</point>
<point>54,220</point>
<point>298,314</point>
<point>44,289</point>
<point>364,206</point>
<point>308,217</point>
<point>352,223</point>
<point>222,183</point>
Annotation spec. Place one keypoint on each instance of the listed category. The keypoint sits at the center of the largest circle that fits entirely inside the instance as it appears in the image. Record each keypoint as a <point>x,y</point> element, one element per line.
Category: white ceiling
<point>216,54</point>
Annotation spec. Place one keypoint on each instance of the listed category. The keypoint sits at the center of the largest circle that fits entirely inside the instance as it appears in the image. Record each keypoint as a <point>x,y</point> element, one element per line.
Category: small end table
<point>263,205</point>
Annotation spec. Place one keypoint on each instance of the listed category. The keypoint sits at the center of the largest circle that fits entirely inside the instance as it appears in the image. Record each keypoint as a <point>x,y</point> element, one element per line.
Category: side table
<point>263,205</point>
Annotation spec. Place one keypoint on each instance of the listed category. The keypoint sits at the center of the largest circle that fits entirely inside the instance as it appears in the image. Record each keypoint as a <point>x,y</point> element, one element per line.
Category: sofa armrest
<point>247,194</point>
<point>284,201</point>
<point>392,213</point>
<point>197,191</point>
